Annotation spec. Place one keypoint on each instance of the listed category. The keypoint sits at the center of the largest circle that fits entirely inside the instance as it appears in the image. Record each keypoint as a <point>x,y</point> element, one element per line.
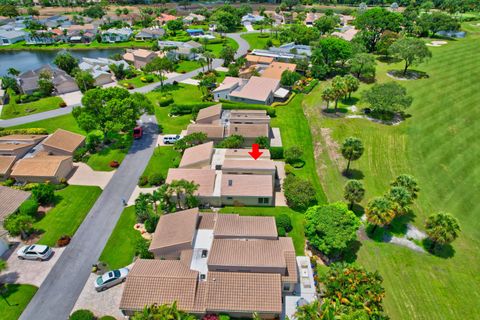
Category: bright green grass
<point>187,66</point>
<point>257,42</point>
<point>18,296</point>
<point>217,47</point>
<point>297,234</point>
<point>74,203</point>
<point>15,110</point>
<point>137,82</point>
<point>66,122</point>
<point>162,159</point>
<point>78,46</point>
<point>436,145</point>
<point>295,131</point>
<point>100,161</point>
<point>120,248</point>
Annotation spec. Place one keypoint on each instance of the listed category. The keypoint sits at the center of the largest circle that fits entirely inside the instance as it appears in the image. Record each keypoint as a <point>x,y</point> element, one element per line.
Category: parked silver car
<point>35,252</point>
<point>111,278</point>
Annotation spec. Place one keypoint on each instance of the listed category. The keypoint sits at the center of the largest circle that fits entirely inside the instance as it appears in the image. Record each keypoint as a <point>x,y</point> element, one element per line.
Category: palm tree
<point>352,84</point>
<point>209,57</point>
<point>409,183</point>
<point>442,228</point>
<point>352,149</point>
<point>340,89</point>
<point>202,62</point>
<point>328,95</point>
<point>163,312</point>
<point>142,206</point>
<point>402,199</point>
<point>379,212</point>
<point>353,192</point>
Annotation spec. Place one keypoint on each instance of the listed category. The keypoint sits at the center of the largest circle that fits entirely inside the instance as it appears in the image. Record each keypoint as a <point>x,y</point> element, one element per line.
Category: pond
<point>32,59</point>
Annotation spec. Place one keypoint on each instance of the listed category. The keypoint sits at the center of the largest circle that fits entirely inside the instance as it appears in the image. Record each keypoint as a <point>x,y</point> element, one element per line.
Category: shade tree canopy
<point>442,228</point>
<point>388,97</point>
<point>352,149</point>
<point>410,50</point>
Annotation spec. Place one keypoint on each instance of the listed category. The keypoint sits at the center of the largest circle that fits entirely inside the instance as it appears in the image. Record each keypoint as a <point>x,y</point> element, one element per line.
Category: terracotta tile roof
<point>197,154</point>
<point>29,138</point>
<point>166,17</point>
<point>275,69</point>
<point>205,178</point>
<point>143,53</point>
<point>246,253</point>
<point>244,153</point>
<point>258,59</point>
<point>186,257</point>
<point>247,185</point>
<point>249,164</point>
<point>213,111</point>
<point>10,200</point>
<point>234,225</point>
<point>229,83</point>
<point>175,229</point>
<point>207,220</point>
<point>290,259</point>
<point>160,282</point>
<point>257,88</point>
<point>64,140</point>
<point>249,130</point>
<point>40,166</point>
<point>6,163</point>
<point>211,130</point>
<point>244,292</point>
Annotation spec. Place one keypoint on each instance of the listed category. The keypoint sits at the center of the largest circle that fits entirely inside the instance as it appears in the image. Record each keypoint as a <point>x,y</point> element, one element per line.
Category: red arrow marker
<point>255,153</point>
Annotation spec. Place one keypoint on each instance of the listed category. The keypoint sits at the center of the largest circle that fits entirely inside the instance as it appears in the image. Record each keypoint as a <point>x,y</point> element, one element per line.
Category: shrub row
<point>276,153</point>
<point>181,109</point>
<point>284,103</point>
<point>310,86</point>
<point>229,105</point>
<point>6,132</point>
<point>154,179</point>
<point>165,101</point>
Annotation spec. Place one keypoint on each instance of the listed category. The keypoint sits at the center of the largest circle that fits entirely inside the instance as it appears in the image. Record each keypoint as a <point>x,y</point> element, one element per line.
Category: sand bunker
<point>437,43</point>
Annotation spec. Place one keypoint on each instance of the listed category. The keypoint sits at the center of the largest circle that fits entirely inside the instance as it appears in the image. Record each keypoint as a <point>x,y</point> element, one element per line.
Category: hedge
<point>6,132</point>
<point>181,109</point>
<point>229,105</point>
<point>284,103</point>
<point>276,153</point>
<point>310,86</point>
<point>164,102</point>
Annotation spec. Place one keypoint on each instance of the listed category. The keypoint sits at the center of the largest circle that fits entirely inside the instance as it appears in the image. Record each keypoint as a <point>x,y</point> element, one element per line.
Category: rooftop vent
<point>230,183</point>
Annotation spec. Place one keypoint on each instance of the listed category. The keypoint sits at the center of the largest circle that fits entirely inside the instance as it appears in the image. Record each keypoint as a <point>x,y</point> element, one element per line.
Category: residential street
<point>60,290</point>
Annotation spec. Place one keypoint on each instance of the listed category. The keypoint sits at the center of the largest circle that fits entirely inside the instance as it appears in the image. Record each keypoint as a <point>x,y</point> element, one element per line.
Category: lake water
<point>32,59</point>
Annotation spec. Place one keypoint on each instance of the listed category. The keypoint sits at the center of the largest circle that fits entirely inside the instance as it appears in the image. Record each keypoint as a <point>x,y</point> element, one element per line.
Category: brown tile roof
<point>244,292</point>
<point>175,229</point>
<point>14,146</point>
<point>247,185</point>
<point>246,253</point>
<point>40,166</point>
<point>250,164</point>
<point>213,111</point>
<point>28,138</point>
<point>165,17</point>
<point>275,69</point>
<point>229,83</point>
<point>207,220</point>
<point>290,259</point>
<point>160,282</point>
<point>6,163</point>
<point>244,153</point>
<point>211,130</point>
<point>197,154</point>
<point>205,178</point>
<point>249,130</point>
<point>234,225</point>
<point>258,59</point>
<point>10,200</point>
<point>257,88</point>
<point>64,140</point>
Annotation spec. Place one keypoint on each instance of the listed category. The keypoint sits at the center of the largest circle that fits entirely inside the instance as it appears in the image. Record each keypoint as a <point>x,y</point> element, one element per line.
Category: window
<point>229,198</point>
<point>263,200</point>
<point>286,287</point>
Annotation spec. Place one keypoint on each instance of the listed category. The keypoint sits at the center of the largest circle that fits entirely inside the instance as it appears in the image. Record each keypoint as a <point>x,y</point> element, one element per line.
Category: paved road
<point>60,290</point>
<point>36,117</point>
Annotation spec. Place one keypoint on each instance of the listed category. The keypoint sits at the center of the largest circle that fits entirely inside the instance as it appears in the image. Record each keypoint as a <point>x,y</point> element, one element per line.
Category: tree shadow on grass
<point>378,234</point>
<point>353,174</point>
<point>445,251</point>
<point>358,210</point>
<point>350,101</point>
<point>399,224</point>
<point>388,59</point>
<point>7,290</point>
<point>350,255</point>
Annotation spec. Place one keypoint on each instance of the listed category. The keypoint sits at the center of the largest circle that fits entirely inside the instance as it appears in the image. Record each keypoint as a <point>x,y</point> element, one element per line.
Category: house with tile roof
<point>140,57</point>
<point>42,168</point>
<point>63,142</point>
<point>212,263</point>
<point>62,81</point>
<point>116,35</point>
<point>256,90</point>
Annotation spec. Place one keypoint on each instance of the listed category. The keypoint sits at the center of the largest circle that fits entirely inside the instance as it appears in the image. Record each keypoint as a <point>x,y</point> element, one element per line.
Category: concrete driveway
<point>136,193</point>
<point>103,303</point>
<point>72,98</point>
<point>27,271</point>
<point>280,200</point>
<point>86,176</point>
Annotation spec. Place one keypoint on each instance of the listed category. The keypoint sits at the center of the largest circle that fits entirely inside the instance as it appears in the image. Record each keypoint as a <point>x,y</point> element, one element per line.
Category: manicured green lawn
<point>78,46</point>
<point>15,110</point>
<point>437,145</point>
<point>74,203</point>
<point>137,82</point>
<point>162,159</point>
<point>187,66</point>
<point>217,47</point>
<point>18,297</point>
<point>258,41</point>
<point>101,161</point>
<point>297,234</point>
<point>66,122</point>
<point>120,248</point>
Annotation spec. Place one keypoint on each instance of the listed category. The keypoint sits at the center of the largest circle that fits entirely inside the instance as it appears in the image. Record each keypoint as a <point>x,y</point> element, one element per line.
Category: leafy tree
<point>10,83</point>
<point>82,314</point>
<point>174,26</point>
<point>293,154</point>
<point>19,224</point>
<point>363,65</point>
<point>13,72</point>
<point>45,84</point>
<point>228,55</point>
<point>290,3</point>
<point>143,206</point>
<point>327,24</point>
<point>206,84</point>
<point>331,228</point>
<point>437,21</point>
<point>289,78</point>
<point>160,65</point>
<point>334,50</point>
<point>299,33</point>
<point>190,140</point>
<point>300,193</point>
<point>352,149</point>
<point>372,23</point>
<point>388,97</point>
<point>119,71</point>
<point>311,311</point>
<point>353,192</point>
<point>84,80</point>
<point>263,142</point>
<point>233,70</point>
<point>386,40</point>
<point>141,248</point>
<point>65,61</point>
<point>164,311</point>
<point>380,212</point>
<point>44,193</point>
<point>410,50</point>
<point>409,183</point>
<point>283,221</point>
<point>95,12</point>
<point>227,19</point>
<point>29,207</point>
<point>401,199</point>
<point>350,291</point>
<point>442,228</point>
<point>232,142</point>
<point>328,95</point>
<point>8,10</point>
<point>352,84</point>
<point>184,192</point>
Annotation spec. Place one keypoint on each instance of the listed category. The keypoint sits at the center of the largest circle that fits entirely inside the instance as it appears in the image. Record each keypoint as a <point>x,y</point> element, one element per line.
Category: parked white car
<point>170,139</point>
<point>111,278</point>
<point>35,252</point>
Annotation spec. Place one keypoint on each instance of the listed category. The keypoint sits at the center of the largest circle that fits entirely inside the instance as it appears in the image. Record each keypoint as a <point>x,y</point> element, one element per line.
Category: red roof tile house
<point>214,263</point>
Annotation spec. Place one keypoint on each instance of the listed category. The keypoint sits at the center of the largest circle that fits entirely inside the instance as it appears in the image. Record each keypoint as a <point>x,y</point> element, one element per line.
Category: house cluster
<point>38,158</point>
<point>62,81</point>
<point>179,50</point>
<point>286,52</point>
<point>219,263</point>
<point>100,70</point>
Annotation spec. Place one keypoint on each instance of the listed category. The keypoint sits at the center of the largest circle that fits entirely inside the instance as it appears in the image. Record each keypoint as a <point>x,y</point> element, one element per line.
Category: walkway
<point>63,285</point>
